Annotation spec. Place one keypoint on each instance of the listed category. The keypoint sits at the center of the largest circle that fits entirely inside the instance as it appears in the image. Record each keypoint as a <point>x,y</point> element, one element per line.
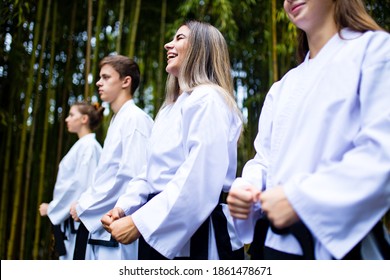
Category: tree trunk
<point>67,84</point>
<point>134,28</point>
<point>95,59</point>
<point>23,137</point>
<point>42,155</point>
<point>159,92</point>
<point>88,51</point>
<point>43,152</point>
<point>121,15</point>
<point>6,182</point>
<point>274,42</point>
<point>36,107</point>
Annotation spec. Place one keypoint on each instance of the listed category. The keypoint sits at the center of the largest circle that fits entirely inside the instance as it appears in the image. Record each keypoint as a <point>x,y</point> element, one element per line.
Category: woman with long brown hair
<point>321,173</point>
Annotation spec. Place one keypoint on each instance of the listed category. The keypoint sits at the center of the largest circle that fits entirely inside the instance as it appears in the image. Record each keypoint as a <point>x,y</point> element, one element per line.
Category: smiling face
<point>310,15</point>
<point>176,50</point>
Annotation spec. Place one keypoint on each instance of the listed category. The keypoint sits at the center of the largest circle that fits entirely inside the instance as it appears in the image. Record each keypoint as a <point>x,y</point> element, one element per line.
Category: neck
<point>117,104</point>
<point>84,131</point>
<point>317,42</point>
<point>318,36</point>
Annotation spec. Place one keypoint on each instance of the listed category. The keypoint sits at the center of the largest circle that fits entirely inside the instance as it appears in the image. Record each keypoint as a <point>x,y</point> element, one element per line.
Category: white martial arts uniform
<point>324,135</point>
<point>193,159</point>
<point>75,174</point>
<point>124,153</point>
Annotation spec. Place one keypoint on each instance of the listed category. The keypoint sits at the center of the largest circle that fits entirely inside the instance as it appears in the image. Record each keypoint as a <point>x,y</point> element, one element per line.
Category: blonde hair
<point>206,62</point>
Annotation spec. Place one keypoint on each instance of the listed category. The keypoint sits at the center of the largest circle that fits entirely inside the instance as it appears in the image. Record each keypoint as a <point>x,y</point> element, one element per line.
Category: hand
<point>241,199</point>
<point>278,209</point>
<point>111,216</point>
<point>43,209</point>
<point>124,230</point>
<point>73,212</point>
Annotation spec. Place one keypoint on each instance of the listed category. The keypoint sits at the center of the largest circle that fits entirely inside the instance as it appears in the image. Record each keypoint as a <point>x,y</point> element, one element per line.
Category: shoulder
<point>373,38</point>
<point>292,74</point>
<point>208,102</point>
<point>372,46</point>
<point>206,95</point>
<point>135,119</point>
<point>131,112</point>
<point>83,151</point>
<point>138,112</point>
<point>379,43</point>
<point>88,144</point>
<point>376,36</point>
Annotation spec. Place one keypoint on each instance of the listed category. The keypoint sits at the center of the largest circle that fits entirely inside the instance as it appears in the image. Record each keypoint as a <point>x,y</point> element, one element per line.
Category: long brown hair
<point>347,13</point>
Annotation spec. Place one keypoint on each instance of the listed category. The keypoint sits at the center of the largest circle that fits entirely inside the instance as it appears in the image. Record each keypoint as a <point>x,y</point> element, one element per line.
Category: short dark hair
<point>125,67</point>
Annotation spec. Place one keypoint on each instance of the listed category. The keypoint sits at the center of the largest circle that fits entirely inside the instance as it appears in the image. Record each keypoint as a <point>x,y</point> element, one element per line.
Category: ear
<point>126,82</point>
<point>84,119</point>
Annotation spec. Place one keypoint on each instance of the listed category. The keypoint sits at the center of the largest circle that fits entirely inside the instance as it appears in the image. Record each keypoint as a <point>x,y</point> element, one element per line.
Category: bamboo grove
<point>49,59</point>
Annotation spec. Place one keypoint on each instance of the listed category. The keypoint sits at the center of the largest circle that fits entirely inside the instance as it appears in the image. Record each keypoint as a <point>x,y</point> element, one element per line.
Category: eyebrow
<point>180,34</point>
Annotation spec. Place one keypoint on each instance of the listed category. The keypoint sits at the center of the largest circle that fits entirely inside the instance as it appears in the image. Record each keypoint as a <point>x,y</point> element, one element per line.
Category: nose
<point>168,45</point>
<point>98,82</point>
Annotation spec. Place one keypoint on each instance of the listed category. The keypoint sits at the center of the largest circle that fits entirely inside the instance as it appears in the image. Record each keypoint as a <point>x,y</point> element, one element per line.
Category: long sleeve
<point>255,170</point>
<point>124,154</point>
<point>344,199</point>
<point>75,175</point>
<point>136,195</point>
<point>327,142</point>
<point>193,190</point>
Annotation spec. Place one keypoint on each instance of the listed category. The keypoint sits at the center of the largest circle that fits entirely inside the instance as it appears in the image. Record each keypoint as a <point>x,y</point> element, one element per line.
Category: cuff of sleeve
<point>240,182</point>
<point>122,204</point>
<point>245,228</point>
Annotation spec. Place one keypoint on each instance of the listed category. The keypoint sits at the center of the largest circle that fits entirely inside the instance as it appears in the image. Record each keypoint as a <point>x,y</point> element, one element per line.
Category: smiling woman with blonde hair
<point>176,205</point>
<point>206,62</point>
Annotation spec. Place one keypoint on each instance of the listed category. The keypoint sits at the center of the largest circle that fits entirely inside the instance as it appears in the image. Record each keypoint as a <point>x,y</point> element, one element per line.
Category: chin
<point>103,98</point>
<point>172,71</point>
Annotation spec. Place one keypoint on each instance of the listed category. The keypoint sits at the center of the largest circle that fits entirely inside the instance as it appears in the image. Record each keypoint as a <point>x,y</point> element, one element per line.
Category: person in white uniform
<point>75,173</point>
<point>124,153</point>
<point>323,148</point>
<point>176,204</point>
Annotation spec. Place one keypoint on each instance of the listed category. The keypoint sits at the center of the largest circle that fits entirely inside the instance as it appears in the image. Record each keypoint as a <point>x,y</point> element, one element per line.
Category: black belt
<point>107,243</point>
<point>305,238</point>
<point>81,242</point>
<point>272,254</point>
<point>200,239</point>
<point>298,230</point>
<point>303,235</point>
<point>60,236</point>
